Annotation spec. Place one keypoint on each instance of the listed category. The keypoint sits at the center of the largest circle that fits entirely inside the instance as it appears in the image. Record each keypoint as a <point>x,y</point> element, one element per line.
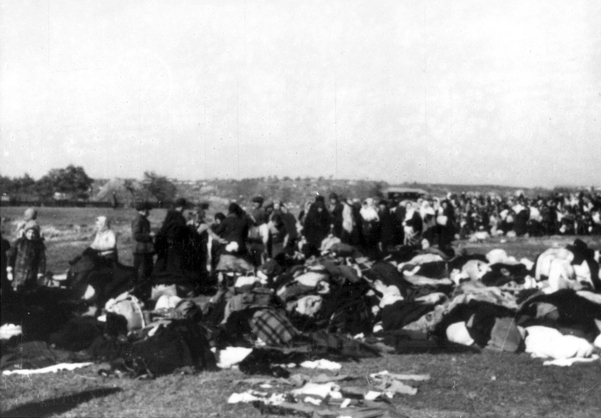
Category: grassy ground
<point>467,385</point>
<point>462,385</point>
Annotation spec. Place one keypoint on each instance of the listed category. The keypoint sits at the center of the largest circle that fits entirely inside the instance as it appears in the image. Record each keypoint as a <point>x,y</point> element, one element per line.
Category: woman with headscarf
<point>317,225</point>
<point>27,258</point>
<point>372,228</point>
<point>105,241</point>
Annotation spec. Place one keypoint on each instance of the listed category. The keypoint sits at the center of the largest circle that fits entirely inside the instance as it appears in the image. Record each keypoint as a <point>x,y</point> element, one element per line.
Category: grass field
<point>462,385</point>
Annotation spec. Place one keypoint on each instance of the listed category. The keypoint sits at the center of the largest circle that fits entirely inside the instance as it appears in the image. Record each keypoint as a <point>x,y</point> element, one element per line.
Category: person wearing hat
<point>143,250</point>
<point>27,258</point>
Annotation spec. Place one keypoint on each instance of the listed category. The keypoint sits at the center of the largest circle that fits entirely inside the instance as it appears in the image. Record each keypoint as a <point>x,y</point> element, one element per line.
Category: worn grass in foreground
<point>467,385</point>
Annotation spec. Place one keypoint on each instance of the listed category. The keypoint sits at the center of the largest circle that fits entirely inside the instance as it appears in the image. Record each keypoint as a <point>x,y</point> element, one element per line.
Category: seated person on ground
<point>105,241</point>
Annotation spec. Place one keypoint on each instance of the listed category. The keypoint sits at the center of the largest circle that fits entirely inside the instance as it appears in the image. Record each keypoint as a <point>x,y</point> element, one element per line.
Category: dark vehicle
<point>404,193</point>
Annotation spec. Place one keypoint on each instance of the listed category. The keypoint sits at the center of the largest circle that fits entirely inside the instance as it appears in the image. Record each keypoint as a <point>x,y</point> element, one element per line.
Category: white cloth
<point>167,302</point>
<point>232,356</point>
<point>322,390</point>
<point>321,364</point>
<point>311,278</point>
<point>309,305</point>
<point>548,342</point>
<point>50,369</point>
<point>458,333</point>
<point>10,330</point>
<point>566,362</point>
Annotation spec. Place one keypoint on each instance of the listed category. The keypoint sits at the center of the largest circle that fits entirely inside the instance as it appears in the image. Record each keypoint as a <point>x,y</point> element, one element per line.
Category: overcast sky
<point>472,92</point>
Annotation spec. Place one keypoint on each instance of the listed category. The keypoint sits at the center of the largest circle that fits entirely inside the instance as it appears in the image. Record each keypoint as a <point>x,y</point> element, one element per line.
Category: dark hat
<point>320,198</point>
<point>180,203</point>
<point>258,199</point>
<point>140,206</point>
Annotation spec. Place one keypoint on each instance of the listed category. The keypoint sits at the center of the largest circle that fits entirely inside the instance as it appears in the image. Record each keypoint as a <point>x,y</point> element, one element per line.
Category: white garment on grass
<point>322,390</point>
<point>548,342</point>
<point>231,356</point>
<point>321,364</point>
<point>50,369</point>
<point>566,362</point>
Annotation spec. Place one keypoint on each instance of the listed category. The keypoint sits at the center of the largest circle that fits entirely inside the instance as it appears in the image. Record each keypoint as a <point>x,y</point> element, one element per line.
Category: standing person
<point>317,225</point>
<point>372,228</point>
<point>387,237</point>
<point>216,245</point>
<point>5,286</point>
<point>283,230</point>
<point>170,240</point>
<point>27,258</point>
<point>277,230</point>
<point>290,227</point>
<point>143,246</point>
<point>398,217</point>
<point>343,222</point>
<point>258,234</point>
<point>199,248</point>
<point>413,225</point>
<point>234,229</point>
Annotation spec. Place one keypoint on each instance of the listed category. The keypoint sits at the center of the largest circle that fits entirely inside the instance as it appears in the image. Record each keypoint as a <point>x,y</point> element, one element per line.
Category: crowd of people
<point>190,245</point>
<point>554,214</point>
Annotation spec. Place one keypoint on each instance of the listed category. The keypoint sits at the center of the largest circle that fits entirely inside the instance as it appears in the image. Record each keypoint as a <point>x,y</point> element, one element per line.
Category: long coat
<point>28,259</point>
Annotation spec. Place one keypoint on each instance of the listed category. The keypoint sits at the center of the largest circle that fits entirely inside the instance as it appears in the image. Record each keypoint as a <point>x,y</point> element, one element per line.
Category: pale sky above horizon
<point>466,92</point>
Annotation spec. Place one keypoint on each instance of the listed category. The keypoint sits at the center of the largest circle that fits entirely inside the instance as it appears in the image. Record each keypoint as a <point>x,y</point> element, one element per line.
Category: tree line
<point>74,184</point>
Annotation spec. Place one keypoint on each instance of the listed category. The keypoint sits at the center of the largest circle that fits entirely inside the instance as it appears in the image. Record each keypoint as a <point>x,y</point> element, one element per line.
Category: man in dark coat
<point>336,209</point>
<point>317,225</point>
<point>171,240</point>
<point>143,247</point>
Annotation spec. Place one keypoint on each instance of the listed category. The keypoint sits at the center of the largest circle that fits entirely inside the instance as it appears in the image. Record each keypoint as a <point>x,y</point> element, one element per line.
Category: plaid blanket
<point>272,327</point>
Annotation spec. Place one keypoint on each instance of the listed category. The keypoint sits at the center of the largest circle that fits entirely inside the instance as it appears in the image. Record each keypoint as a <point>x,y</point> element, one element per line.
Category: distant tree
<point>160,187</point>
<point>6,184</point>
<point>129,185</point>
<point>72,181</point>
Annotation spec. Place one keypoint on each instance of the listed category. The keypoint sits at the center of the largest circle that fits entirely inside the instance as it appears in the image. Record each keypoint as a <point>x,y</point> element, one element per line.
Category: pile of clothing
<point>342,306</point>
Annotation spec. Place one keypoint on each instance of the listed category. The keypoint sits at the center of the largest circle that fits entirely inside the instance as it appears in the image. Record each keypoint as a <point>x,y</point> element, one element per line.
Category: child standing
<point>27,258</point>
